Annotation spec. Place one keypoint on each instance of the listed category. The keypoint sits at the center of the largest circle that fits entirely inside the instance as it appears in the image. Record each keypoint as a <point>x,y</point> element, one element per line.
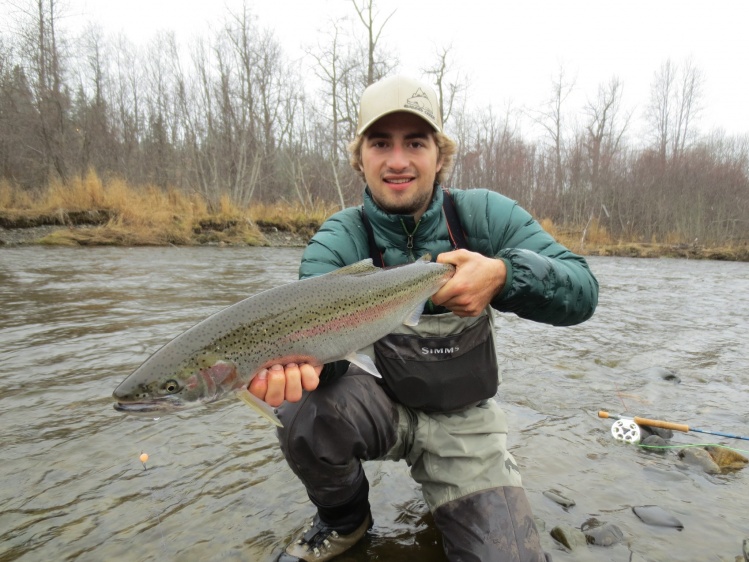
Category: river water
<point>75,322</point>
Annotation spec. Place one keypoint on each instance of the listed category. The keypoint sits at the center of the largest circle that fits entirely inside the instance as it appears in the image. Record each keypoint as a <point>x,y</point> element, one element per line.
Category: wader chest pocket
<point>439,374</point>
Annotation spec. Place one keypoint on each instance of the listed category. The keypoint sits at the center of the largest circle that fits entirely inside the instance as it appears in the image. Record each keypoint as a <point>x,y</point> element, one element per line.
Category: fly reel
<point>627,431</point>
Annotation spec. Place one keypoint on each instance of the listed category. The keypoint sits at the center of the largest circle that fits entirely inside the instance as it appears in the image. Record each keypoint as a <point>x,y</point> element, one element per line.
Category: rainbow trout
<point>315,320</point>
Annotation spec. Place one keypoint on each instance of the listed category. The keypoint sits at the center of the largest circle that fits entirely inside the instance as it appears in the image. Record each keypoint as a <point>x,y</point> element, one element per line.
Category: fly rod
<point>668,425</point>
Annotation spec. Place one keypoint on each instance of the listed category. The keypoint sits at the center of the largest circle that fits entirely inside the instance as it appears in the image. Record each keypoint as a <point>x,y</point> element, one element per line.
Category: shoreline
<point>33,235</point>
<point>275,237</point>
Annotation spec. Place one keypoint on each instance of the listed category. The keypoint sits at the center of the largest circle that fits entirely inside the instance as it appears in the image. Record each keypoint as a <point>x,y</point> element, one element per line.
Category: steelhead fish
<point>315,320</point>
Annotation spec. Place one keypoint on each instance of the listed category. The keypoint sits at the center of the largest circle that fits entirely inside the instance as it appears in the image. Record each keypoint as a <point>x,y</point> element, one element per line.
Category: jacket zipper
<point>410,246</point>
<point>410,239</point>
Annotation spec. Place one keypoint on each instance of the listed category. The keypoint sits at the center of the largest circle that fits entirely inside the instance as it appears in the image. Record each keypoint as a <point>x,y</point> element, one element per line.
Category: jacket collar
<point>391,225</point>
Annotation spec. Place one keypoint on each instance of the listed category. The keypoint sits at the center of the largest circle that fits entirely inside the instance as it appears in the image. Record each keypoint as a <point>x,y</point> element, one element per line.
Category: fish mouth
<point>147,408</point>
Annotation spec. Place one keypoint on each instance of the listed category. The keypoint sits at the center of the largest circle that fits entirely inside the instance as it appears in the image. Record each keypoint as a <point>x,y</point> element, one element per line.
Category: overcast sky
<point>511,50</point>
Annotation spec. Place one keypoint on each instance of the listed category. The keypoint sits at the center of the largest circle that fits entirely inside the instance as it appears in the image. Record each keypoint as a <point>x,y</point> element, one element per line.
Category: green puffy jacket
<point>545,281</point>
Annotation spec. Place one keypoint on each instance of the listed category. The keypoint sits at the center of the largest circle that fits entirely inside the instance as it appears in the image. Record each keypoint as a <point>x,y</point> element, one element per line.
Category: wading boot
<point>318,542</point>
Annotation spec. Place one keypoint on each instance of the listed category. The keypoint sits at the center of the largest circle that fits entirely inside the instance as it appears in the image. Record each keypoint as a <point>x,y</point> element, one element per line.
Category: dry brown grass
<point>292,217</point>
<point>116,213</point>
<point>578,239</point>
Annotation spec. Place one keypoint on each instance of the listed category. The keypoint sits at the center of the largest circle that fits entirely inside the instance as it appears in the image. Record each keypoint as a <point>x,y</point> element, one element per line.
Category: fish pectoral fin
<point>364,362</point>
<point>413,318</point>
<point>258,405</point>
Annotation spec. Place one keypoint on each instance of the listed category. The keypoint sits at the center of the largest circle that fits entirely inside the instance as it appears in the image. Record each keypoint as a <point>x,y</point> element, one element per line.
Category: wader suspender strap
<point>374,252</point>
<point>454,229</point>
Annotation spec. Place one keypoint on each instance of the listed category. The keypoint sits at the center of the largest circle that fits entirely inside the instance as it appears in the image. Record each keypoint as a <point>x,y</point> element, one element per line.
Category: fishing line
<point>159,497</point>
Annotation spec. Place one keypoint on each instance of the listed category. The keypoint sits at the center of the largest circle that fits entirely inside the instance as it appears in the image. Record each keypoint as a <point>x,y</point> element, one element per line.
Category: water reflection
<point>75,322</point>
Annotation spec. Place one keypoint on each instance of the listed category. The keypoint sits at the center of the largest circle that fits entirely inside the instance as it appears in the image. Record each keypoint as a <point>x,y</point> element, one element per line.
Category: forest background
<point>210,140</point>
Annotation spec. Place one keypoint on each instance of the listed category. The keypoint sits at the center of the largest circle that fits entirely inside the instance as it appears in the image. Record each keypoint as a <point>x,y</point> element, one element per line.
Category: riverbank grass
<point>93,212</point>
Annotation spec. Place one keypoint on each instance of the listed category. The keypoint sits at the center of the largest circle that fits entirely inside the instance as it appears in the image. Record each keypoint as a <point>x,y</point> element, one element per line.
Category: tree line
<point>230,114</point>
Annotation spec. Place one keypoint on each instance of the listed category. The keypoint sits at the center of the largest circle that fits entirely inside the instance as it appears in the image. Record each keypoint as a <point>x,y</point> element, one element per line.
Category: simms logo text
<point>439,350</point>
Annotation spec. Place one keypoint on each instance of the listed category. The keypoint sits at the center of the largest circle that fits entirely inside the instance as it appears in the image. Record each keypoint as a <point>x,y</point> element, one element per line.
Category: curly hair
<point>446,148</point>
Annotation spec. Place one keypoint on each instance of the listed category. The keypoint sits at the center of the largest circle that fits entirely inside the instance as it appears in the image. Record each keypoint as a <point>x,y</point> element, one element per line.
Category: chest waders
<point>429,370</point>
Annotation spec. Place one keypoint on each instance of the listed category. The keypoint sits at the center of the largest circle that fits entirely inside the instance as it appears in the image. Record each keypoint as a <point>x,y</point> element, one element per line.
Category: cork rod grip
<point>651,423</point>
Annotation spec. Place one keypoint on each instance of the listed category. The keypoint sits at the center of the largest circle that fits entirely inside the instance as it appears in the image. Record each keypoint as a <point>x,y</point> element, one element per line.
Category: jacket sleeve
<point>340,241</point>
<point>546,282</point>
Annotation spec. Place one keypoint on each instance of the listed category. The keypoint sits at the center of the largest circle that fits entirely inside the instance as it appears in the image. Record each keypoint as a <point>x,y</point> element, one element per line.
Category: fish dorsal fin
<point>358,268</point>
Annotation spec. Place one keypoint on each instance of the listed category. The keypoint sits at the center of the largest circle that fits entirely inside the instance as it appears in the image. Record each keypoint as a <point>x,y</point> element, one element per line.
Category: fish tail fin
<point>258,405</point>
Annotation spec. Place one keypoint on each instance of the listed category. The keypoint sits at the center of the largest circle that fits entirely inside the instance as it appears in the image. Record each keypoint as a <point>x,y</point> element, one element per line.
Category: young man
<point>434,406</point>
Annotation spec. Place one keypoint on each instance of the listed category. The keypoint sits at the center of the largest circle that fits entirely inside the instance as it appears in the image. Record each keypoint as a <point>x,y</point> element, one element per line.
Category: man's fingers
<point>259,384</point>
<point>293,391</point>
<point>285,382</point>
<point>276,385</point>
<point>310,376</point>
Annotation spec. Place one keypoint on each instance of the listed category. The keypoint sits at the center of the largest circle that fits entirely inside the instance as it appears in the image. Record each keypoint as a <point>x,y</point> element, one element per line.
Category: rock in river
<point>557,497</point>
<point>601,533</point>
<point>727,459</point>
<point>654,515</point>
<point>699,457</point>
<point>568,536</point>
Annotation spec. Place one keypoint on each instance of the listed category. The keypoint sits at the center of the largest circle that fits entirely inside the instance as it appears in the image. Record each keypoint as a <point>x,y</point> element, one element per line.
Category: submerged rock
<point>714,460</point>
<point>601,533</point>
<point>557,497</point>
<point>654,515</point>
<point>662,373</point>
<point>648,430</point>
<point>746,550</point>
<point>697,456</point>
<point>568,536</point>
<point>727,459</point>
<point>654,444</point>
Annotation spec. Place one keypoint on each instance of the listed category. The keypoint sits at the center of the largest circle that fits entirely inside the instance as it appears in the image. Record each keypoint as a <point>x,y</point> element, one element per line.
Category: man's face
<point>400,161</point>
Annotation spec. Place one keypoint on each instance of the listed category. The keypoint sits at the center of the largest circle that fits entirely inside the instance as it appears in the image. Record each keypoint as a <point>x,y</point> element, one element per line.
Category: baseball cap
<point>398,93</point>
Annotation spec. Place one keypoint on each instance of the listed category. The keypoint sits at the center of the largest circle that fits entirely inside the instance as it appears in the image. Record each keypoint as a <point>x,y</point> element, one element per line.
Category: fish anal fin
<point>364,362</point>
<point>258,405</point>
<point>415,315</point>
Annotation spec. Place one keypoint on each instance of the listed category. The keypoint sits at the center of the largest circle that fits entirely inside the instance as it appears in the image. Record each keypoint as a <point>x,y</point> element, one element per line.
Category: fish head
<point>157,387</point>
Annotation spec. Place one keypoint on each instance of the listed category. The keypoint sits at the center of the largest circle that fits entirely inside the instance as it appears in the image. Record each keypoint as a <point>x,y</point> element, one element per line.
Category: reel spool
<point>626,430</point>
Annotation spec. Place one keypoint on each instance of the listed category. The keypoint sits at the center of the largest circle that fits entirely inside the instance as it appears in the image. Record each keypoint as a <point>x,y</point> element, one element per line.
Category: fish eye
<point>171,386</point>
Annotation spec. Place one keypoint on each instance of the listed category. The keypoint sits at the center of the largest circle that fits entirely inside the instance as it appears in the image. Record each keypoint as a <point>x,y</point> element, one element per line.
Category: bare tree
<point>688,106</point>
<point>605,128</point>
<point>675,101</point>
<point>366,11</point>
<point>551,119</point>
<point>40,48</point>
<point>127,118</point>
<point>334,66</point>
<point>161,104</point>
<point>448,91</point>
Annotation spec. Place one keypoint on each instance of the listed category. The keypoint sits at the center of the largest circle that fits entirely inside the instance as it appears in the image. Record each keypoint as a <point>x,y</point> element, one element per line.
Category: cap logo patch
<point>420,102</point>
